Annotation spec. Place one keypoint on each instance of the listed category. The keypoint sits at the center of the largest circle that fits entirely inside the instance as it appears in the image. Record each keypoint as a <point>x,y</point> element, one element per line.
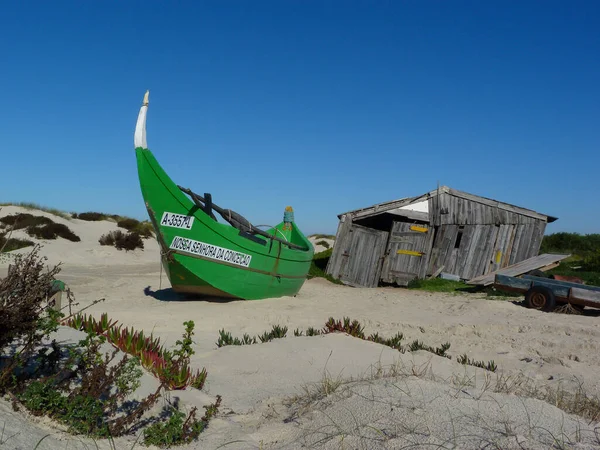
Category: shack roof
<point>416,207</point>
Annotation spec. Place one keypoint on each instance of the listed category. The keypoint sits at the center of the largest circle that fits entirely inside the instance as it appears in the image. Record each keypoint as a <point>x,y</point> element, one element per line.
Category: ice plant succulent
<point>174,372</point>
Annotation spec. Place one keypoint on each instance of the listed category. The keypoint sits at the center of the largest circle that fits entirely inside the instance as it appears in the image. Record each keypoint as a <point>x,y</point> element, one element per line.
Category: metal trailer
<point>546,293</point>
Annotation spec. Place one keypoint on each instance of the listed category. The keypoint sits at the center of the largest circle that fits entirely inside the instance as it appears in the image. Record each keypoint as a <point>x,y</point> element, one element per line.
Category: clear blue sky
<point>327,106</point>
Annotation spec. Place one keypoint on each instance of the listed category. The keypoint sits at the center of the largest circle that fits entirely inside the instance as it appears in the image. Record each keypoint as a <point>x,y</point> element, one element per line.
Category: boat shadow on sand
<point>169,295</point>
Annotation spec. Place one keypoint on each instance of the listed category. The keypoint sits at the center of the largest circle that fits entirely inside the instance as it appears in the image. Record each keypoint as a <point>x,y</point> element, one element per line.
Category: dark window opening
<point>459,237</point>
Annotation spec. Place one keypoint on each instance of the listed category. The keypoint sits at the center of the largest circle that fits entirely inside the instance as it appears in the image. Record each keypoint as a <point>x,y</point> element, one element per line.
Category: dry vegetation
<point>409,406</point>
<point>35,206</point>
<point>39,227</point>
<point>82,385</point>
<point>143,228</point>
<point>119,240</point>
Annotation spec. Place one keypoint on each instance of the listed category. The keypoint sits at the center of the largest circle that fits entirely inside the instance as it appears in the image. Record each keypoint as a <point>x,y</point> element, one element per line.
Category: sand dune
<point>336,391</point>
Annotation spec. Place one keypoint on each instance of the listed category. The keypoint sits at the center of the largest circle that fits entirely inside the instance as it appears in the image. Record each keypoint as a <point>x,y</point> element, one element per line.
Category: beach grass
<point>30,205</point>
<point>439,285</point>
<point>319,265</point>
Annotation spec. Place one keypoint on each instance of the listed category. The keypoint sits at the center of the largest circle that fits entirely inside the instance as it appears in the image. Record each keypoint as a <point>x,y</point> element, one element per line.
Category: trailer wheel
<point>540,297</point>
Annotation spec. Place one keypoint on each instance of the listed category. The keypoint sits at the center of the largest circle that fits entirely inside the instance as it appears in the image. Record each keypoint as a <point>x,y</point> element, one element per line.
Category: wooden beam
<point>519,268</point>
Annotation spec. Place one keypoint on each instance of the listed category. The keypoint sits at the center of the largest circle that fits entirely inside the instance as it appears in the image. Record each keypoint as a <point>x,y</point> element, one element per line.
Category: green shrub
<point>128,223</point>
<point>120,240</point>
<point>94,404</point>
<point>144,229</point>
<point>319,265</point>
<point>24,220</point>
<point>52,231</point>
<point>585,250</point>
<point>490,365</point>
<point>40,227</point>
<point>178,429</point>
<point>91,216</point>
<point>592,262</point>
<point>10,244</point>
<point>578,244</point>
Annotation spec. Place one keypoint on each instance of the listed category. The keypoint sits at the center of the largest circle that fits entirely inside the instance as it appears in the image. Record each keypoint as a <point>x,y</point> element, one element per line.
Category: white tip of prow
<point>139,138</point>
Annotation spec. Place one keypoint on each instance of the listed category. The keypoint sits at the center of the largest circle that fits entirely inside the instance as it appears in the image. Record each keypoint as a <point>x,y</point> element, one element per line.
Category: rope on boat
<point>237,220</point>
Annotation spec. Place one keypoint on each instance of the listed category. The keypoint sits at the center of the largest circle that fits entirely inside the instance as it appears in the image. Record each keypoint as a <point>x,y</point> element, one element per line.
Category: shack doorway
<point>407,253</point>
<point>362,256</point>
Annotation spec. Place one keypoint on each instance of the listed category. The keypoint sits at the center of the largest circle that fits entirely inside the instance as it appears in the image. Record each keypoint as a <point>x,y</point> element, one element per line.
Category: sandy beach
<point>336,391</point>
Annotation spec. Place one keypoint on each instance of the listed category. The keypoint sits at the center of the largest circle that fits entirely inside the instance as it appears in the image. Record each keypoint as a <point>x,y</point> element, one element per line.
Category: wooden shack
<point>444,230</point>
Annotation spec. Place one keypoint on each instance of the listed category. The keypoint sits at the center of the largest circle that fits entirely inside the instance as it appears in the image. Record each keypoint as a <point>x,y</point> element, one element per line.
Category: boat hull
<point>203,257</point>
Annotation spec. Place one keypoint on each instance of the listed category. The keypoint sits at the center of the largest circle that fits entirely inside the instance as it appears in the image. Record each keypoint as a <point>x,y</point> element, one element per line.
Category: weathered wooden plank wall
<point>459,211</point>
<point>442,252</point>
<point>490,238</point>
<point>342,236</point>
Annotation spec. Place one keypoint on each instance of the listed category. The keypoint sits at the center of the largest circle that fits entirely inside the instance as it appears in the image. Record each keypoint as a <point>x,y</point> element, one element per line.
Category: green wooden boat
<point>205,257</point>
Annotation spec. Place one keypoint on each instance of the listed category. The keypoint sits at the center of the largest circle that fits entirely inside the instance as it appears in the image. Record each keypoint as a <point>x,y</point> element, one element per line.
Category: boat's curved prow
<point>139,138</point>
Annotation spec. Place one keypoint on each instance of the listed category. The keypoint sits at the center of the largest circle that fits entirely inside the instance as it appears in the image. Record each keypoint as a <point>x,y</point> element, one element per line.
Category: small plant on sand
<point>23,220</point>
<point>490,365</point>
<point>179,429</point>
<point>171,367</point>
<point>276,332</point>
<point>353,328</point>
<point>144,229</point>
<point>91,216</point>
<point>310,331</point>
<point>176,372</point>
<point>93,405</point>
<point>8,244</point>
<point>394,342</point>
<point>40,227</point>
<point>52,231</point>
<point>440,351</point>
<point>120,240</point>
<point>225,338</point>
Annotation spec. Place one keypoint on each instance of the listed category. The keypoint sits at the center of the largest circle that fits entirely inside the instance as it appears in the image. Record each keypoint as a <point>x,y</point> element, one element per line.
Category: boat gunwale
<point>194,209</point>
